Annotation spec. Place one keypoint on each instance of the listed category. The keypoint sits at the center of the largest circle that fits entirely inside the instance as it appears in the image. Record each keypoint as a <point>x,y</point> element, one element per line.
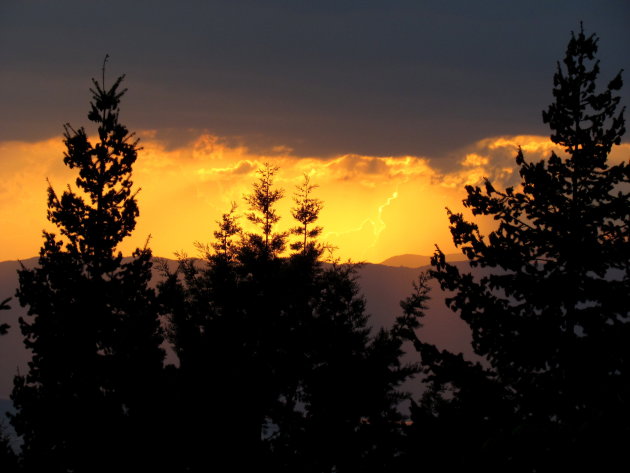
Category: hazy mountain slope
<point>383,286</point>
<point>417,261</point>
<point>13,355</point>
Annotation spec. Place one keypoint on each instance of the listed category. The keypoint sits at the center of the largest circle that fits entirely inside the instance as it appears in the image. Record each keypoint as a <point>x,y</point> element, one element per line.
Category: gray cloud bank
<point>322,77</point>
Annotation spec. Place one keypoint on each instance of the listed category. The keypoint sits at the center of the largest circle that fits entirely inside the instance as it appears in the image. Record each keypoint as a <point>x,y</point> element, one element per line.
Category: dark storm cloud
<point>323,77</point>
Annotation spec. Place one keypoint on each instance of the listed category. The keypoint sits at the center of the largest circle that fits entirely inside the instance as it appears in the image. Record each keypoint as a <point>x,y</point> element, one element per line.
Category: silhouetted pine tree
<point>306,212</point>
<point>347,389</point>
<point>88,401</point>
<point>262,213</point>
<point>463,415</point>
<point>551,316</point>
<point>226,326</point>
<point>276,359</point>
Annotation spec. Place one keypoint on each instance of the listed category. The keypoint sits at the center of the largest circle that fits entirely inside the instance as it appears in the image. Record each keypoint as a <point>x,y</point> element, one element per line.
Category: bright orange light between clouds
<point>374,207</point>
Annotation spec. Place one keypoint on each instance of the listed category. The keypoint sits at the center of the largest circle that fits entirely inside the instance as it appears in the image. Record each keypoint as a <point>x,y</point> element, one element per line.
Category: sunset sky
<point>390,106</point>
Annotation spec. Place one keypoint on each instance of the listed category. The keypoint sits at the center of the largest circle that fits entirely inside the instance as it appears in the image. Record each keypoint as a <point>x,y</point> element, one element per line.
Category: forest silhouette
<point>277,365</point>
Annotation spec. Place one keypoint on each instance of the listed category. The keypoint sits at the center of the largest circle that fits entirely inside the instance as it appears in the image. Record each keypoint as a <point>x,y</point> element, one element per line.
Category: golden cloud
<point>374,206</point>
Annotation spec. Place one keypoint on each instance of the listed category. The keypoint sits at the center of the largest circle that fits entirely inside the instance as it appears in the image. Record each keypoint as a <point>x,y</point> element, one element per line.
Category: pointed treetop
<point>99,217</point>
<point>306,212</point>
<point>584,121</point>
<point>261,203</point>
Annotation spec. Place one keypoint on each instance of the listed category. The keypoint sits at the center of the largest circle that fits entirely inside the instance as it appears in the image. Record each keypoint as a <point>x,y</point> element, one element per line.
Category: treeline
<point>277,366</point>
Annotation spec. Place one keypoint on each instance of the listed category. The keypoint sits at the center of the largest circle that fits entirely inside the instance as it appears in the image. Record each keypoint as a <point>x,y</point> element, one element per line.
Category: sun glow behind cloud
<point>374,206</point>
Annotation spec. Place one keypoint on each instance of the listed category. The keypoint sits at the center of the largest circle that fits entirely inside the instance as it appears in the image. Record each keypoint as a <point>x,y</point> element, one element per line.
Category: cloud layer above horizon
<point>375,207</point>
<point>325,78</point>
<point>390,106</point>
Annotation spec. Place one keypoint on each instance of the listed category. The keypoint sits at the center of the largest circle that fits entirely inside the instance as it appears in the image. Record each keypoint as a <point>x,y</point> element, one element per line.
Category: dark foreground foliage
<point>551,316</point>
<point>88,401</point>
<point>277,367</point>
<point>276,356</point>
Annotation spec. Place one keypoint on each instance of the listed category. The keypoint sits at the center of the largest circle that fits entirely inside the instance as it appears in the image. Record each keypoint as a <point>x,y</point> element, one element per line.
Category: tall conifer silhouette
<point>276,355</point>
<point>263,213</point>
<point>551,316</point>
<point>86,402</point>
<point>306,213</point>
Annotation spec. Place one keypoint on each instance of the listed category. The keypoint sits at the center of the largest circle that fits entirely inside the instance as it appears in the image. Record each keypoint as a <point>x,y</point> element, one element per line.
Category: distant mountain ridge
<point>383,285</point>
<point>417,261</point>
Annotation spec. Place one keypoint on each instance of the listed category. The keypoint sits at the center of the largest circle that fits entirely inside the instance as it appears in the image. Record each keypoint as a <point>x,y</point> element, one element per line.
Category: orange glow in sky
<point>375,207</point>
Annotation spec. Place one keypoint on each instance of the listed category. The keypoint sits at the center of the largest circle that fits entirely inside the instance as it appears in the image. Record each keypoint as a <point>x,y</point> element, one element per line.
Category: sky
<point>391,107</point>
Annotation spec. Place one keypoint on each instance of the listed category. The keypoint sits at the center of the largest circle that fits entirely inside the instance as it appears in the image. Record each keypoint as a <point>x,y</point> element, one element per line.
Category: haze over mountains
<point>417,261</point>
<point>383,285</point>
